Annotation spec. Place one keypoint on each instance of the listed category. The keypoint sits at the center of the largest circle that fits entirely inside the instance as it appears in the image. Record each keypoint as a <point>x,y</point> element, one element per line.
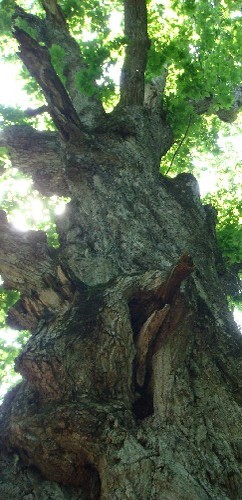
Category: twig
<point>180,145</point>
<point>35,112</point>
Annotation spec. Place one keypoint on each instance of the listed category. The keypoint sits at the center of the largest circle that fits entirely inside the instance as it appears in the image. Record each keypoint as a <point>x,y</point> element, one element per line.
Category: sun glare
<point>238,318</point>
<point>11,87</point>
<point>60,209</point>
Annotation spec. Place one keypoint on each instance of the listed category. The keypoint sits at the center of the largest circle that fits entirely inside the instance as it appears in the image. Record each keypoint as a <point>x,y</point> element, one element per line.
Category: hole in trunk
<point>141,307</point>
<point>143,405</point>
<point>92,483</point>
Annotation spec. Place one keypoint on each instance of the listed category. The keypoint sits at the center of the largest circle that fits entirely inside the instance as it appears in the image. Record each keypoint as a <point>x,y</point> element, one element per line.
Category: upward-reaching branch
<point>89,108</point>
<point>53,30</point>
<point>37,60</point>
<point>53,10</point>
<point>132,76</point>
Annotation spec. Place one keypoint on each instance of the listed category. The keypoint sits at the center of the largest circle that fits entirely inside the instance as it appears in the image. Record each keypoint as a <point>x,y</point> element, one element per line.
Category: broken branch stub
<point>27,265</point>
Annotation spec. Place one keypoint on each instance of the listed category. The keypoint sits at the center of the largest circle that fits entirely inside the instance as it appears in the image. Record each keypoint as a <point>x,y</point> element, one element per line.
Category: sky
<point>11,87</point>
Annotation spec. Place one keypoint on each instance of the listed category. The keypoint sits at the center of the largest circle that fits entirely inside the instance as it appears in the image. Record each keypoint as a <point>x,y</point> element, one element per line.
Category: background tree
<point>131,375</point>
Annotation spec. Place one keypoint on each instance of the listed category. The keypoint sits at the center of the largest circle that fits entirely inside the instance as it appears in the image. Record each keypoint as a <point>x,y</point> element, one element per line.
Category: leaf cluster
<point>9,350</point>
<point>7,300</point>
<point>228,202</point>
<point>200,44</point>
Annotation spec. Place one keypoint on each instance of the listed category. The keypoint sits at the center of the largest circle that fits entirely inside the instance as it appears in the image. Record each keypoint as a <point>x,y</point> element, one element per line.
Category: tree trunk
<point>131,377</point>
<point>132,372</point>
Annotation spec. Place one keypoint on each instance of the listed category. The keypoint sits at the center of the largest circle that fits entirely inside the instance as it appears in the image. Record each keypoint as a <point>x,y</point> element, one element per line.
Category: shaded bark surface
<point>132,375</point>
<point>84,423</point>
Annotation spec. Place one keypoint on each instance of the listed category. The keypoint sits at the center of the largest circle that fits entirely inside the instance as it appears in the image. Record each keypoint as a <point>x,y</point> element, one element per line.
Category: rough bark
<point>131,377</point>
<point>39,155</point>
<point>135,30</point>
<point>102,412</point>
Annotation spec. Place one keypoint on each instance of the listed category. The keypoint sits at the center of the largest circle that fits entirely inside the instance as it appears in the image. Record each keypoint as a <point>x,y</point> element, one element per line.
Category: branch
<point>33,21</point>
<point>89,108</point>
<point>180,144</point>
<point>37,154</point>
<point>26,264</point>
<point>54,11</point>
<point>30,112</point>
<point>132,75</point>
<point>154,92</point>
<point>37,60</point>
<point>227,115</point>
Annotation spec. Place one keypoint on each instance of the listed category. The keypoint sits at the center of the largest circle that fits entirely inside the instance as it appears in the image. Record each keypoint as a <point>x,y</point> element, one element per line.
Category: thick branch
<point>26,264</point>
<point>226,115</point>
<point>37,154</point>
<point>53,10</point>
<point>55,31</point>
<point>132,76</point>
<point>37,60</point>
<point>31,112</point>
<point>154,92</point>
<point>33,21</point>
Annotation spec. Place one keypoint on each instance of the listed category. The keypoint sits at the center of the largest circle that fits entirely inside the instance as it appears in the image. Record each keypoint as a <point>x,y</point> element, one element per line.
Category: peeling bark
<point>45,289</point>
<point>146,337</point>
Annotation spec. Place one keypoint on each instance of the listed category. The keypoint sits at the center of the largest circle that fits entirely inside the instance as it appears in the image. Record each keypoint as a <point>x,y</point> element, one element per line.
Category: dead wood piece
<point>179,273</point>
<point>146,337</point>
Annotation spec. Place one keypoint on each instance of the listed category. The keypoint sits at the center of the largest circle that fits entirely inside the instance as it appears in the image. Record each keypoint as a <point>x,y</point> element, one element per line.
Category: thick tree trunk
<point>132,373</point>
<point>131,377</point>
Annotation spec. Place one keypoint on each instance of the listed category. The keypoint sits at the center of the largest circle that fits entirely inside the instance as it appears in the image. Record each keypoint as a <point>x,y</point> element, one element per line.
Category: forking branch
<point>37,60</point>
<point>53,31</point>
